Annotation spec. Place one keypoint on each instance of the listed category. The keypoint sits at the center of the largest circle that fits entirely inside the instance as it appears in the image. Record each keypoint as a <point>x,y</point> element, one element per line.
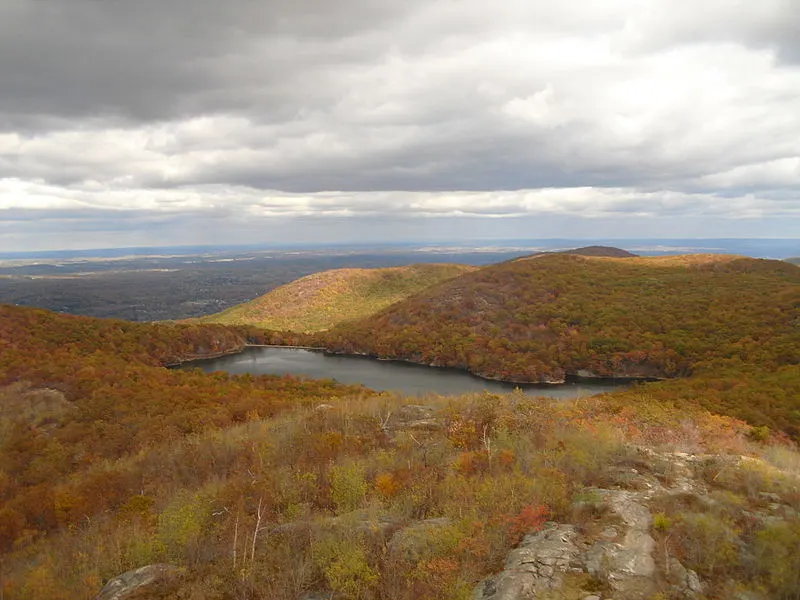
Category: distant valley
<point>179,286</point>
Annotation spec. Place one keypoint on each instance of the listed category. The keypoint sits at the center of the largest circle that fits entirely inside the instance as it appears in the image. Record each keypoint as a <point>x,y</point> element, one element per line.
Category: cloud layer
<point>115,115</point>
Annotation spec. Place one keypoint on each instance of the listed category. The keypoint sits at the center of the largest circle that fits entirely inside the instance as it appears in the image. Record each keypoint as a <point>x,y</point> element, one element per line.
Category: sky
<point>173,122</point>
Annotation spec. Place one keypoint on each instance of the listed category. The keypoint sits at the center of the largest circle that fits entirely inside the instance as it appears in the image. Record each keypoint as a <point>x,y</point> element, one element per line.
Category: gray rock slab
<point>136,581</point>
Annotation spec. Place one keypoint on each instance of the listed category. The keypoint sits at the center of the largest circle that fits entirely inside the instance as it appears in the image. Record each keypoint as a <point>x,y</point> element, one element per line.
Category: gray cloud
<point>771,25</point>
<point>159,60</point>
<point>193,108</point>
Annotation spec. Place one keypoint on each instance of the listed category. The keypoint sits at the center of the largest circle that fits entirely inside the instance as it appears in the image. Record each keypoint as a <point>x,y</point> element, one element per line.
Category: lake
<point>382,375</point>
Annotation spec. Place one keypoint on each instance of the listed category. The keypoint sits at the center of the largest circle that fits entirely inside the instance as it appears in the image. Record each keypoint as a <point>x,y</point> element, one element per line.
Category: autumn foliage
<point>729,321</point>
<point>278,487</point>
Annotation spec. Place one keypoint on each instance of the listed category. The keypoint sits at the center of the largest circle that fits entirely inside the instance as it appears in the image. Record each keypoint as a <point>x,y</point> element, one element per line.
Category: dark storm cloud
<point>155,59</point>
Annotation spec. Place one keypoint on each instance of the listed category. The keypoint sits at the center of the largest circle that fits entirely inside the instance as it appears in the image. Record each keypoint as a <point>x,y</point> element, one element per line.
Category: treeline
<point>33,330</point>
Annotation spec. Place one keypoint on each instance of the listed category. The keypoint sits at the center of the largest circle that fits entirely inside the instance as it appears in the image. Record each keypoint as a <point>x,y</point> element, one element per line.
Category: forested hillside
<point>546,317</point>
<point>78,392</point>
<point>538,319</point>
<point>319,301</point>
<point>218,487</point>
<point>322,300</point>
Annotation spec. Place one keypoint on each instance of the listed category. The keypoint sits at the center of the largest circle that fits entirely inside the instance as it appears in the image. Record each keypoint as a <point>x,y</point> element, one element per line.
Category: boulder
<point>686,582</point>
<point>139,581</point>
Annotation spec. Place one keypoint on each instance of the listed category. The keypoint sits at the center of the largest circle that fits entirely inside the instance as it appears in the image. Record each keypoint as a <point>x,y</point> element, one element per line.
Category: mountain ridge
<point>559,278</point>
<point>606,251</point>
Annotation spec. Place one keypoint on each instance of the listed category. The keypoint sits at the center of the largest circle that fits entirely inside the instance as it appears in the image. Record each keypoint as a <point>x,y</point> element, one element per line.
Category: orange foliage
<point>470,463</point>
<point>386,485</point>
<point>506,458</point>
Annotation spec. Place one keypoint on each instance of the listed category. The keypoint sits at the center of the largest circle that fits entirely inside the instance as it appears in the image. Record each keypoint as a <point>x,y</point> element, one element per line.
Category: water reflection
<point>381,375</point>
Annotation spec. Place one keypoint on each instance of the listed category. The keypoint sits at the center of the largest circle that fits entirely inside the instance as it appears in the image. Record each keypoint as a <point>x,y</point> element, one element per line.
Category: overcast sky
<point>158,122</point>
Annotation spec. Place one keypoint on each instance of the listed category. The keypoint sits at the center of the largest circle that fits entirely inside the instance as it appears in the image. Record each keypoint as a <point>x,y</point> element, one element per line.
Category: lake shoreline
<point>570,378</point>
<point>571,381</point>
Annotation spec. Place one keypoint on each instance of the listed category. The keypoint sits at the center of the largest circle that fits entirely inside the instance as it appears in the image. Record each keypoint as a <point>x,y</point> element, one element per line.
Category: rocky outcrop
<point>685,582</point>
<point>625,559</point>
<point>617,555</point>
<point>538,564</point>
<point>138,582</point>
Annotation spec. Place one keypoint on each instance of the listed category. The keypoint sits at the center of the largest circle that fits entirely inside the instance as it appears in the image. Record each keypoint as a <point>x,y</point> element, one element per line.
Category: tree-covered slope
<point>543,317</point>
<point>77,393</point>
<point>274,488</point>
<point>318,302</point>
<point>725,329</point>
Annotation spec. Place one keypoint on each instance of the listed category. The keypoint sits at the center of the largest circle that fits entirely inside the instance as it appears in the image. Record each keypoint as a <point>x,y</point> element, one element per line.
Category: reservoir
<point>382,375</point>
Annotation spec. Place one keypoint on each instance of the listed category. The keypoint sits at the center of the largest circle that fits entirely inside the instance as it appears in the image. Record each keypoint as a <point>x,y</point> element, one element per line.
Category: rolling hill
<point>318,302</point>
<point>548,317</point>
<point>322,300</point>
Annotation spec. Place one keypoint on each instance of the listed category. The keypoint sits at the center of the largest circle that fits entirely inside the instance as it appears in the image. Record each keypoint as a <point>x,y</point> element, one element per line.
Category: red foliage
<point>529,520</point>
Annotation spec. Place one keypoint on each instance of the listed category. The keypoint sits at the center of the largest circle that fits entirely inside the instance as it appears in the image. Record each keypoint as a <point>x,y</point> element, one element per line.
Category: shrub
<point>530,519</point>
<point>759,434</point>
<point>386,485</point>
<point>661,522</point>
<point>137,509</point>
<point>344,564</point>
<point>182,523</point>
<point>709,543</point>
<point>470,463</point>
<point>778,557</point>
<point>348,486</point>
<point>350,575</point>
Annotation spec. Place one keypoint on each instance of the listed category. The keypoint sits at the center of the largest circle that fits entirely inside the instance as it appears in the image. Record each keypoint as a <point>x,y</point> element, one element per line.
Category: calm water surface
<point>380,375</point>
